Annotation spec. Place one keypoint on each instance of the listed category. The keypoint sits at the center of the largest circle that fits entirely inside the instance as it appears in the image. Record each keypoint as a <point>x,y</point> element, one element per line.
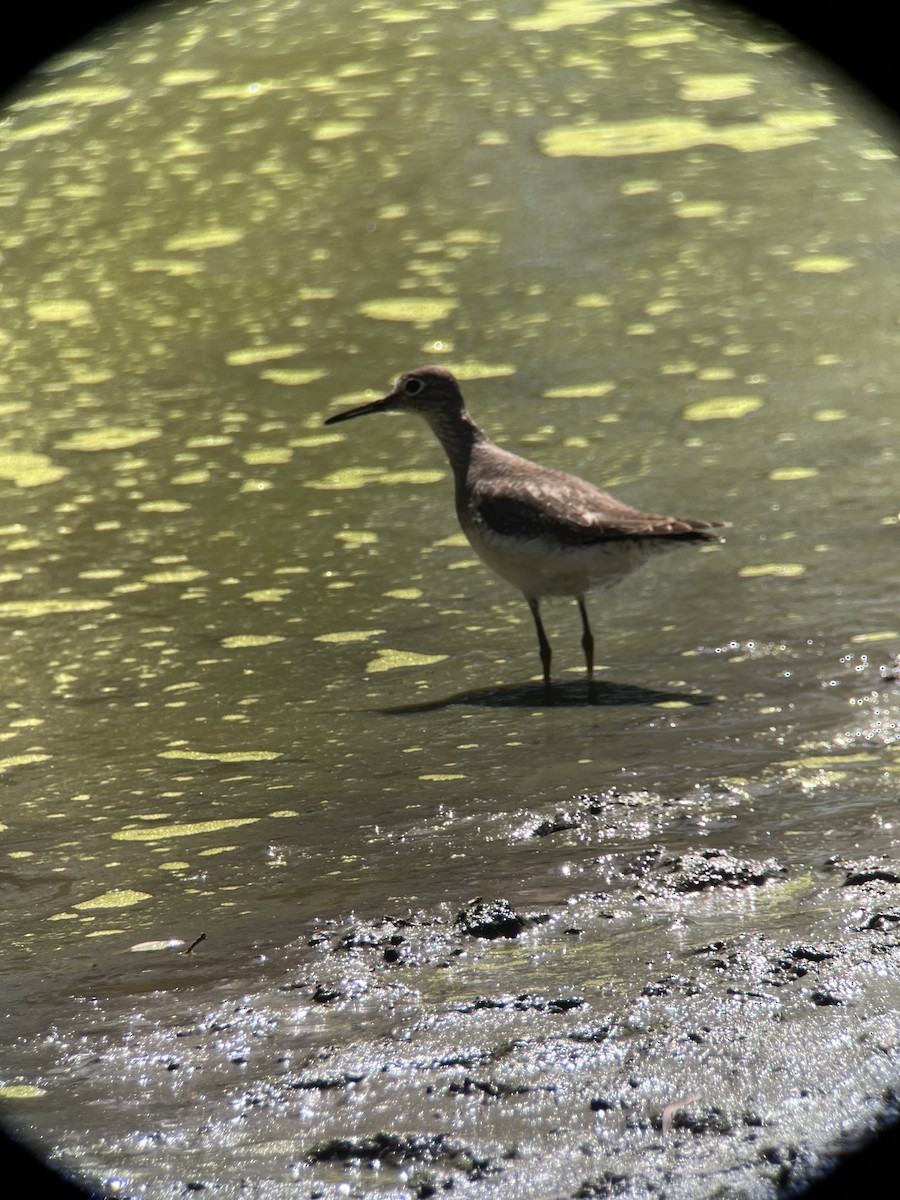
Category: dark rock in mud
<point>400,1150</point>
<point>698,871</point>
<point>490,919</point>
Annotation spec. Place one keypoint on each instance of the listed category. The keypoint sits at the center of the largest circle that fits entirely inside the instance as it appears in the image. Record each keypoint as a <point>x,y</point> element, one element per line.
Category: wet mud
<point>506,1048</point>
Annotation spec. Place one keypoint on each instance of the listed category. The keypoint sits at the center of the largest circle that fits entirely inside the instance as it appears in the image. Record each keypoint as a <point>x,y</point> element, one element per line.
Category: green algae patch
<point>262,456</point>
<point>21,1091</point>
<point>21,760</point>
<point>473,368</point>
<point>292,378</point>
<point>661,135</point>
<point>188,829</point>
<point>356,537</point>
<point>268,596</point>
<point>75,312</point>
<point>110,437</point>
<point>391,660</point>
<point>716,86</point>
<point>48,608</point>
<point>722,408</point>
<point>822,264</point>
<point>560,14</point>
<point>117,898</point>
<point>247,641</point>
<point>417,310</point>
<point>253,355</point>
<point>177,575</point>
<point>787,474</point>
<point>780,570</point>
<point>212,238</point>
<point>222,756</point>
<point>348,635</point>
<point>332,131</point>
<point>579,391</point>
<point>411,477</point>
<point>346,479</point>
<point>818,761</point>
<point>89,96</point>
<point>26,469</point>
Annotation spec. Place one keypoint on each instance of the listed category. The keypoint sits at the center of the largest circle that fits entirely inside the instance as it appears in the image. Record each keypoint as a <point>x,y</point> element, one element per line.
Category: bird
<point>544,531</point>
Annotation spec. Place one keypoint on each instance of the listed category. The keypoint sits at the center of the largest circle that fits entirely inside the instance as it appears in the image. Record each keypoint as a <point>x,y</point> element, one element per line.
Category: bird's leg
<point>544,645</point>
<point>587,640</point>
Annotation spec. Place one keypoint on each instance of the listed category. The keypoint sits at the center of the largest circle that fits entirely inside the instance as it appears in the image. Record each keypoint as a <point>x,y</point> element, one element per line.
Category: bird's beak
<point>385,403</point>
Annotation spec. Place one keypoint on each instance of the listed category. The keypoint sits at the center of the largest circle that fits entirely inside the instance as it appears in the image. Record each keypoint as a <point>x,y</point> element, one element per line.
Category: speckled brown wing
<point>552,504</point>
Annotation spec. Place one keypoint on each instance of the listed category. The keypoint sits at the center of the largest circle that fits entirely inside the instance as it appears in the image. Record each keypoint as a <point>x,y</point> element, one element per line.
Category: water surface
<point>252,674</point>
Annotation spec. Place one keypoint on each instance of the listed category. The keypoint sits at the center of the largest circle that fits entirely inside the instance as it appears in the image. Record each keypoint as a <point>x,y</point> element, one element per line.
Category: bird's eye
<point>412,387</point>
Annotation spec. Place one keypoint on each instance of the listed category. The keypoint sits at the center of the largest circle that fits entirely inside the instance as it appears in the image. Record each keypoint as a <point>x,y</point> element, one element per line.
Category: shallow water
<point>252,675</point>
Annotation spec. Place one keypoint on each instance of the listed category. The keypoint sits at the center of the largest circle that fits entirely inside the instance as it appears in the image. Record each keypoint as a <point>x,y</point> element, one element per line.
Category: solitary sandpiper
<point>545,532</point>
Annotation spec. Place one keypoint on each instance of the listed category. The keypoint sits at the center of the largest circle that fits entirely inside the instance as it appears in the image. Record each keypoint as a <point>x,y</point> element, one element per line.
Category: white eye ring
<point>412,387</point>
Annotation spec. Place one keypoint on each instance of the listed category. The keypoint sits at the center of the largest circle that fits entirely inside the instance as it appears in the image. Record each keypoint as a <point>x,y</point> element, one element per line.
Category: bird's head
<point>431,391</point>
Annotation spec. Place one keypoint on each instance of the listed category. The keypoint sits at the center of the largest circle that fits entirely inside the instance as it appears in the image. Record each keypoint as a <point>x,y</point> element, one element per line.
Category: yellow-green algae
<point>390,660</point>
<point>46,608</point>
<point>417,309</point>
<point>110,437</point>
<point>786,474</point>
<point>205,239</point>
<point>658,135</point>
<point>579,391</point>
<point>592,300</point>
<point>257,354</point>
<point>348,635</point>
<point>781,570</point>
<point>330,131</point>
<point>823,264</point>
<point>75,311</point>
<point>223,756</point>
<point>117,898</point>
<point>559,14</point>
<point>40,129</point>
<point>675,35</point>
<point>163,506</point>
<point>176,575</point>
<point>356,537</point>
<point>722,408</point>
<point>421,476</point>
<point>245,641</point>
<point>263,455</point>
<point>696,209</point>
<point>21,760</point>
<point>21,1091</point>
<point>816,761</point>
<point>292,378</point>
<point>473,368</point>
<point>72,96</point>
<point>28,469</point>
<point>267,596</point>
<point>716,86</point>
<point>188,829</point>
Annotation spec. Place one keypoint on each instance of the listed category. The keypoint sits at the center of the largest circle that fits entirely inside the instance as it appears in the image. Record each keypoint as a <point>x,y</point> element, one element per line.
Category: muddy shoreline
<point>510,1049</point>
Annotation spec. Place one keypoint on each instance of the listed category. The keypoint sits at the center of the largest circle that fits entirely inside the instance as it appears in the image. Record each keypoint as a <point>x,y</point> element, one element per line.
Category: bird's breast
<point>542,566</point>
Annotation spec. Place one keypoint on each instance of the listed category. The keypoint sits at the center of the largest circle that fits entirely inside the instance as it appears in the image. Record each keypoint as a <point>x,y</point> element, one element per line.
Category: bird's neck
<point>459,434</point>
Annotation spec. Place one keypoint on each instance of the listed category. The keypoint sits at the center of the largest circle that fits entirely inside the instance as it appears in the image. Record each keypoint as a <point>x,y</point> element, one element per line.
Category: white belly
<point>541,567</point>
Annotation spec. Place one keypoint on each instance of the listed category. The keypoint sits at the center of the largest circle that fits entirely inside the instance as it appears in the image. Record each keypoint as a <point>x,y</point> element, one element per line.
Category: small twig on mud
<point>195,942</point>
